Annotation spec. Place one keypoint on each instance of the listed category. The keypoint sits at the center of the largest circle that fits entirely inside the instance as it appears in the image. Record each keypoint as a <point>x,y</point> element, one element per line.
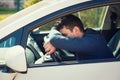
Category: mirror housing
<point>15,58</point>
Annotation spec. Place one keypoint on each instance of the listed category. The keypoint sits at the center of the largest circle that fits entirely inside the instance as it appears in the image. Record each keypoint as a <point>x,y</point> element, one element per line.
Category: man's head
<point>71,26</point>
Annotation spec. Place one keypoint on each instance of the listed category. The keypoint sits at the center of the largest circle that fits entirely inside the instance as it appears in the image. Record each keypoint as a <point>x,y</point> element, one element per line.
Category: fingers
<point>51,51</point>
<point>49,48</point>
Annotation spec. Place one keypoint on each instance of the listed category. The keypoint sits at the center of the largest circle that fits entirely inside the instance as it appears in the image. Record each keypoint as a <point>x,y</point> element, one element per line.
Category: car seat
<point>114,45</point>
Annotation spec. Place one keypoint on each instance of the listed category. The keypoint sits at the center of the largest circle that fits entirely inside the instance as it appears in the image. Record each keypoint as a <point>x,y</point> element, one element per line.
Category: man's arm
<point>49,48</point>
<point>57,40</point>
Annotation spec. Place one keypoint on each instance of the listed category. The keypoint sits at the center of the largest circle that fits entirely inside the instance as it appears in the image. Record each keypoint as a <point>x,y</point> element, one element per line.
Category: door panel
<point>92,71</point>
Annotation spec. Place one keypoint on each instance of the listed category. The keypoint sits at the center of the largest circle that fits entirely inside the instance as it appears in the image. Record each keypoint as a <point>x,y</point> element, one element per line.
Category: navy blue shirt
<point>91,46</point>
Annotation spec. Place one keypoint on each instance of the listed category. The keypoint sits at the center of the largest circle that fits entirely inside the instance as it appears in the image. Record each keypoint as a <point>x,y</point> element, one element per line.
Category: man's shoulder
<point>91,31</point>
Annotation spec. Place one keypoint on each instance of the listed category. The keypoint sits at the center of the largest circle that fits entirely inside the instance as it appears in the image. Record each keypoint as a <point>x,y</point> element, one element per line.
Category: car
<point>22,35</point>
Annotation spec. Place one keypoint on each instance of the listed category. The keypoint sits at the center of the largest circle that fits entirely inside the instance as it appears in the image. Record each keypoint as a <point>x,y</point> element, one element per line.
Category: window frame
<point>72,9</point>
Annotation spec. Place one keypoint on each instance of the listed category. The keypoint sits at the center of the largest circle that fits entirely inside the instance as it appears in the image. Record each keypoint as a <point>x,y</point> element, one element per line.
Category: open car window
<point>92,18</point>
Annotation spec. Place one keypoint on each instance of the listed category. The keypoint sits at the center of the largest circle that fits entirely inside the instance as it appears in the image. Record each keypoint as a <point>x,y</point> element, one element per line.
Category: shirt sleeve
<point>76,44</point>
<point>53,32</point>
<point>62,42</point>
<point>67,43</point>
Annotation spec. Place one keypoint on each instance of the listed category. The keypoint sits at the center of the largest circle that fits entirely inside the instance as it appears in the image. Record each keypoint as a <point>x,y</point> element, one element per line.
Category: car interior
<point>112,35</point>
<point>110,30</point>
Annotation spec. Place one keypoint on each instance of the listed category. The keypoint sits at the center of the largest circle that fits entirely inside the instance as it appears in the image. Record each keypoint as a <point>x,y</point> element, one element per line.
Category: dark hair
<point>70,21</point>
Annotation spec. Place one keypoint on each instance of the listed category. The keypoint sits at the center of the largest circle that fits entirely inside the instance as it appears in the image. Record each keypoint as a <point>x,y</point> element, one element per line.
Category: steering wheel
<point>35,52</point>
<point>40,41</point>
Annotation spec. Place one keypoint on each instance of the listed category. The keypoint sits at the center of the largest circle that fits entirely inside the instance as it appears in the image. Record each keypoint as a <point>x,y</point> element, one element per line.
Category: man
<point>71,36</point>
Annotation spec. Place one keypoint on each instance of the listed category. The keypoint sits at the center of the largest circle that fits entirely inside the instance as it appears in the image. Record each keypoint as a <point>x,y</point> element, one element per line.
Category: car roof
<point>32,13</point>
<point>38,11</point>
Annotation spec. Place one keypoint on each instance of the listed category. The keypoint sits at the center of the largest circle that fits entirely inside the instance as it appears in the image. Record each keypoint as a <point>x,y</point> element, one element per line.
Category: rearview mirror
<point>15,58</point>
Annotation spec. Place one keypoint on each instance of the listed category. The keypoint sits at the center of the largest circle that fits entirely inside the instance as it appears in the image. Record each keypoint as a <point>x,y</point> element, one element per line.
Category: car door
<point>88,71</point>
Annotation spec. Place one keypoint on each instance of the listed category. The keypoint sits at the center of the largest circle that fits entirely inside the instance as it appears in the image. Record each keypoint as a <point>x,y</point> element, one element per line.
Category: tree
<point>28,3</point>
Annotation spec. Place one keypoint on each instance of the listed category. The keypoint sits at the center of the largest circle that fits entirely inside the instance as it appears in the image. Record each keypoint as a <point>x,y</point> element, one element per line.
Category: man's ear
<point>76,29</point>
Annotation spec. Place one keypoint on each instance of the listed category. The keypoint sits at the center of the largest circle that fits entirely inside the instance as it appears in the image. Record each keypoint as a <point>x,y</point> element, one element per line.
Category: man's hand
<point>49,48</point>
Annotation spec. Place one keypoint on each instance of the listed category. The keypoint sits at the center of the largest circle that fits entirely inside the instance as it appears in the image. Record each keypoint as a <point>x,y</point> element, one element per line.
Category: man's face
<point>68,33</point>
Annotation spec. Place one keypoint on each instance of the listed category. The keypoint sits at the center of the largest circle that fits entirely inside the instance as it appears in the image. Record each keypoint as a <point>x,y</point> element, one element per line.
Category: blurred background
<point>91,17</point>
<point>9,7</point>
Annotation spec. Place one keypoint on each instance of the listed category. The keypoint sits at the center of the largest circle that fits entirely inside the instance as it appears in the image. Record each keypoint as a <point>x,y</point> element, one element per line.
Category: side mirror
<point>15,58</point>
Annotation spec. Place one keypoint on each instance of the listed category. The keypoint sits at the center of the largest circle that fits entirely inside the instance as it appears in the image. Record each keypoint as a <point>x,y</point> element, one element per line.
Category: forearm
<point>69,44</point>
<point>61,42</point>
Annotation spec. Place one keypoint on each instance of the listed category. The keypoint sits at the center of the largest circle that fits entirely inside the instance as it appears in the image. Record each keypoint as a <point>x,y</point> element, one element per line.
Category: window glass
<point>11,40</point>
<point>8,43</point>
